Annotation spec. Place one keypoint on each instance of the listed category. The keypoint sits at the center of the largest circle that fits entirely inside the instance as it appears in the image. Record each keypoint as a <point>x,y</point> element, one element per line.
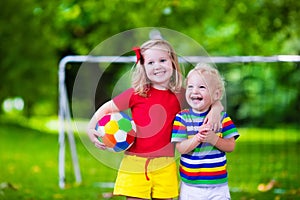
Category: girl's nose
<point>156,66</point>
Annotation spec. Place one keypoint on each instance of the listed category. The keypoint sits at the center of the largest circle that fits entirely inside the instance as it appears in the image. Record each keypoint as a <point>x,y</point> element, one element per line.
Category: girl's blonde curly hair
<point>139,79</point>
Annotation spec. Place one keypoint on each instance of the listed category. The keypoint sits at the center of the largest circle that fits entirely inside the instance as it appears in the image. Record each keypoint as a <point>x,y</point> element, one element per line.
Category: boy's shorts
<point>188,192</point>
<point>147,178</point>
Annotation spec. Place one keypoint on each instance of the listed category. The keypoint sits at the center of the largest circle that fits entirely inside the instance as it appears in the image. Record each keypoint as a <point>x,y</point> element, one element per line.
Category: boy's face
<point>198,92</point>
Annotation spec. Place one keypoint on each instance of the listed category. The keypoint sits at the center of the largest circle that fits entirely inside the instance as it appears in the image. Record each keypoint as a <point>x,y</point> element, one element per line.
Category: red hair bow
<point>137,51</point>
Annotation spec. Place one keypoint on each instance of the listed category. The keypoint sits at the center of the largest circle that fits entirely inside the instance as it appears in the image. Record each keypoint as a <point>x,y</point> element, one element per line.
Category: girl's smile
<point>158,67</point>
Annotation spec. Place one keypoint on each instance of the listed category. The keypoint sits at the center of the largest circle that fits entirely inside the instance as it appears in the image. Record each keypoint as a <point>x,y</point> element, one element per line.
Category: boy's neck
<point>201,111</point>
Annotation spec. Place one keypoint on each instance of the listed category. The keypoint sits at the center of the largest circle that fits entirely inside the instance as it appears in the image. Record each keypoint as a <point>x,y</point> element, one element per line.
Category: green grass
<point>29,163</point>
<point>262,155</point>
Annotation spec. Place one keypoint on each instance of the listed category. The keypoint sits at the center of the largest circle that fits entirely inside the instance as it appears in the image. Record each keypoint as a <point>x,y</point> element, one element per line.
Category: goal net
<point>262,98</point>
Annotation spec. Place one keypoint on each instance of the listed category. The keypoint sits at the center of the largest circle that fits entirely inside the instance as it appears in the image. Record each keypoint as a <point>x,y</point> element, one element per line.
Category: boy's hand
<point>207,134</point>
<point>201,135</point>
<point>211,137</point>
<point>204,128</point>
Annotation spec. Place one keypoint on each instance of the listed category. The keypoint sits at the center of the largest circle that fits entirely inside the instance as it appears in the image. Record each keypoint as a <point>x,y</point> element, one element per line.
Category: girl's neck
<point>159,87</point>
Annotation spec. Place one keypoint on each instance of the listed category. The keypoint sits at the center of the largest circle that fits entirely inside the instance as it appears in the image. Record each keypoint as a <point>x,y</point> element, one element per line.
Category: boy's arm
<point>214,116</point>
<point>190,144</point>
<point>223,144</point>
<point>106,108</point>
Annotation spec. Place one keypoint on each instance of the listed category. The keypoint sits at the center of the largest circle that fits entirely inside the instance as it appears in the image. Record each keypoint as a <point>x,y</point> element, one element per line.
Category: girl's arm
<point>106,108</point>
<point>214,116</point>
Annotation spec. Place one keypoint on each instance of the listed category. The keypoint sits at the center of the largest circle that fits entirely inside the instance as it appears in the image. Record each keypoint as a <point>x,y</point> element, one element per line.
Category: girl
<point>148,169</point>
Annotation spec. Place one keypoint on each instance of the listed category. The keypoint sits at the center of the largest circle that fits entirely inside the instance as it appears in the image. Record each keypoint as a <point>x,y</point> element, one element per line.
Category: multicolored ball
<point>117,131</point>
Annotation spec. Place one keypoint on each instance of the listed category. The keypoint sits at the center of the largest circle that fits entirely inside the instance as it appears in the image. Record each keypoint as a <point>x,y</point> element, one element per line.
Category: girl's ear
<point>217,95</point>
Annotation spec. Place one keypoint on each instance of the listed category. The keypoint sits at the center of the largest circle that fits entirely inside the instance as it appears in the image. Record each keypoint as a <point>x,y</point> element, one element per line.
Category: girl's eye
<point>150,63</point>
<point>163,60</point>
<point>202,87</point>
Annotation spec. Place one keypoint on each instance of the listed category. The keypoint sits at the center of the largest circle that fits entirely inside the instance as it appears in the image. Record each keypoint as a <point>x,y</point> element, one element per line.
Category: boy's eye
<point>200,87</point>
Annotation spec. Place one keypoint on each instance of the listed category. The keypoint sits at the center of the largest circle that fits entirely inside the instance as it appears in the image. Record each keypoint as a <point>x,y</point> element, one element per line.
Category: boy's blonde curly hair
<point>215,79</point>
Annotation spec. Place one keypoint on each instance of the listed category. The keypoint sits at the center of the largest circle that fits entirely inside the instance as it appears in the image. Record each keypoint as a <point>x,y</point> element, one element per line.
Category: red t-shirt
<point>153,116</point>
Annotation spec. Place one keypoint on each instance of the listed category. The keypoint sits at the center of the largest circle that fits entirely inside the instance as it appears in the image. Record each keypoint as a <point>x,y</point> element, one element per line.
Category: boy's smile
<point>198,92</point>
<point>196,99</point>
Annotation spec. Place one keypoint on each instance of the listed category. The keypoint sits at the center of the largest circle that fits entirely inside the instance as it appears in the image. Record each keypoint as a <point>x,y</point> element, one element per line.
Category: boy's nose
<point>195,90</point>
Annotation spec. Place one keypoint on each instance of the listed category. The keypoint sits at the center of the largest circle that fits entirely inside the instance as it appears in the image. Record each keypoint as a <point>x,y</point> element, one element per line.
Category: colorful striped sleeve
<point>179,131</point>
<point>229,130</point>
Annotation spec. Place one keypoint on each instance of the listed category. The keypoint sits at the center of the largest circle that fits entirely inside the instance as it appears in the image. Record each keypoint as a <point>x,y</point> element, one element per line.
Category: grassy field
<point>29,166</point>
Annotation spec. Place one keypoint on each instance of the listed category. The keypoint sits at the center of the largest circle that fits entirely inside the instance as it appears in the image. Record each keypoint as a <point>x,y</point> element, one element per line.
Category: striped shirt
<point>205,166</point>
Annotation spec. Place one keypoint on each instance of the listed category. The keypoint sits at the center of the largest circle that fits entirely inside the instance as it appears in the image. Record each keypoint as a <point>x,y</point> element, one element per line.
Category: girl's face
<point>158,67</point>
<point>198,94</point>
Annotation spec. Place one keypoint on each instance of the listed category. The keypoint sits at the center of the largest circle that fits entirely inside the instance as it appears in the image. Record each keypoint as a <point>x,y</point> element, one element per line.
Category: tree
<point>37,34</point>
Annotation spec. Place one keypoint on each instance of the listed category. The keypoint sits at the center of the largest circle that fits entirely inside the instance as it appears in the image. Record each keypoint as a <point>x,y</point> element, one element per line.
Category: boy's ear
<point>217,95</point>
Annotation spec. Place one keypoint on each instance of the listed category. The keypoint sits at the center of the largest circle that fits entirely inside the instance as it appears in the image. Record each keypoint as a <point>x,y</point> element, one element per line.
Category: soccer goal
<point>66,127</point>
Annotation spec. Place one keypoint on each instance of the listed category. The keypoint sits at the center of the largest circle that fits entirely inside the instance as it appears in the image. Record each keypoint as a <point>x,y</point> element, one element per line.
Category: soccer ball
<point>117,131</point>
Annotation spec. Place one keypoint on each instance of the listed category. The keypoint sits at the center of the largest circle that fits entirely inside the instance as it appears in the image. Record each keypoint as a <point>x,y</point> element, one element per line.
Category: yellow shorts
<point>147,178</point>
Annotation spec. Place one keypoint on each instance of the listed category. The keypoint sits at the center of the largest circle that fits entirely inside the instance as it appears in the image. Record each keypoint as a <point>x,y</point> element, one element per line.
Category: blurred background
<point>262,98</point>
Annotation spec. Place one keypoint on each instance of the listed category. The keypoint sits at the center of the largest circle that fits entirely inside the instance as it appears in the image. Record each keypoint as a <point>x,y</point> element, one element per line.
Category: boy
<point>203,161</point>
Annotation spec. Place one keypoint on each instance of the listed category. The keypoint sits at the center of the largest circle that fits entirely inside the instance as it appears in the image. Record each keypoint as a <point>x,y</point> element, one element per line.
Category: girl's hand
<point>94,135</point>
<point>214,116</point>
<point>106,108</point>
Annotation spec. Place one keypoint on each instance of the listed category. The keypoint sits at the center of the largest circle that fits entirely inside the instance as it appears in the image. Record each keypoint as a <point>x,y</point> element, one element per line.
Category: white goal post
<point>64,114</point>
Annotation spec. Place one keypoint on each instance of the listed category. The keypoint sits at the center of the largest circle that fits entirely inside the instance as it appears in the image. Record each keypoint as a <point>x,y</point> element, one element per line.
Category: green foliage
<point>262,94</point>
<point>35,35</point>
<point>28,62</point>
